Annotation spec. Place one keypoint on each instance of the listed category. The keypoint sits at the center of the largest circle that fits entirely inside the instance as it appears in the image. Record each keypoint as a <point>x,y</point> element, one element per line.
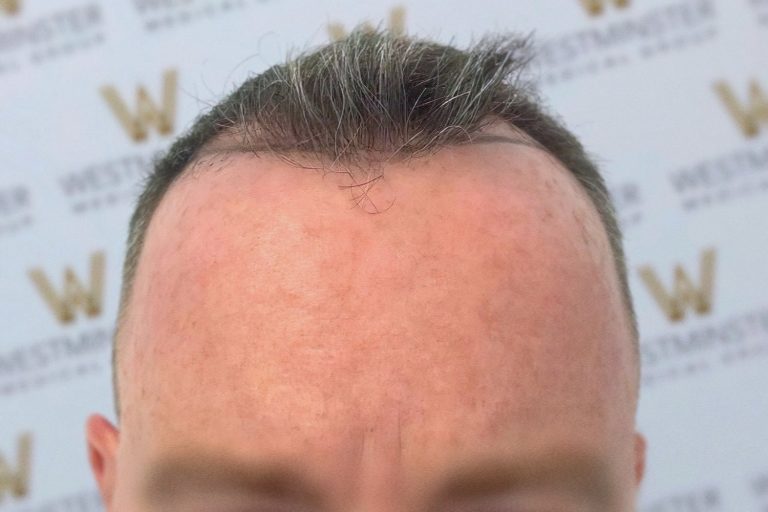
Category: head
<point>378,277</point>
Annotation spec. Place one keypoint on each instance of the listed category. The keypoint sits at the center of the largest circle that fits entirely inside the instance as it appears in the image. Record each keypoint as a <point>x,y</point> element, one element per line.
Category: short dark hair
<point>377,95</point>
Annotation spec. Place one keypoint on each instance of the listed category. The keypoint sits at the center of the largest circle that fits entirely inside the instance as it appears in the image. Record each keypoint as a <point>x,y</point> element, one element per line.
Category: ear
<point>102,438</point>
<point>640,449</point>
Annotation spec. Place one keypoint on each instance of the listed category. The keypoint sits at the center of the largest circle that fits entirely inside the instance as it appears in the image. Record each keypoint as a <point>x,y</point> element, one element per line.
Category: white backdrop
<point>670,95</point>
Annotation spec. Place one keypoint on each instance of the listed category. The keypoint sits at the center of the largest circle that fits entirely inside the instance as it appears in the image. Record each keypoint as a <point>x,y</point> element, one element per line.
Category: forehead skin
<point>477,315</point>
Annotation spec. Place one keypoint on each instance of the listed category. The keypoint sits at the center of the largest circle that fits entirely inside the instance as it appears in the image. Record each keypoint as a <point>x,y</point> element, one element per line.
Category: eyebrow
<point>177,476</point>
<point>576,473</point>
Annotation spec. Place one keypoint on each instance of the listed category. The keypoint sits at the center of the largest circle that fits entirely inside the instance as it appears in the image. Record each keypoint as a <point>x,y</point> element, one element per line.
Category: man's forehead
<point>262,225</point>
<point>488,260</point>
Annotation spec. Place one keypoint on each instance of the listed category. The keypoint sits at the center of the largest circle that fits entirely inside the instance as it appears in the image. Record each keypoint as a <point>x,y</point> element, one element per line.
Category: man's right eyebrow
<point>274,482</point>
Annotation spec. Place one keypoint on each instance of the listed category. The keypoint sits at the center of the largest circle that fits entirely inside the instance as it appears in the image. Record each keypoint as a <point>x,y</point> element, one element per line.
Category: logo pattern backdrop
<point>670,95</point>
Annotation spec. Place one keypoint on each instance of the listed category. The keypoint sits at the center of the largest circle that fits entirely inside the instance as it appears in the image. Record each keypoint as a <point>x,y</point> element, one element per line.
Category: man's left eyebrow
<point>178,476</point>
<point>572,472</point>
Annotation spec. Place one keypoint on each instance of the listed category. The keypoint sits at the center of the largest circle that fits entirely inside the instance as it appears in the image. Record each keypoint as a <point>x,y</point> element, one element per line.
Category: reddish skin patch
<point>271,319</point>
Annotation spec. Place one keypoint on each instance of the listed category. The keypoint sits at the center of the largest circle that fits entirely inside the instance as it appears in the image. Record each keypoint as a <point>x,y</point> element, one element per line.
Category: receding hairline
<point>228,144</point>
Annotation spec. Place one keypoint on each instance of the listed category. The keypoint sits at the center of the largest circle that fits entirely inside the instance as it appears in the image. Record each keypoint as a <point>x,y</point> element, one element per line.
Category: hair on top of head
<point>376,93</point>
<point>376,96</point>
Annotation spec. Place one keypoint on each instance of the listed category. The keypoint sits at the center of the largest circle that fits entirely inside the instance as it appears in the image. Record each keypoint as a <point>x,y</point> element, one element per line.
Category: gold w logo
<point>10,6</point>
<point>597,7</point>
<point>685,294</point>
<point>74,295</point>
<point>395,24</point>
<point>147,113</point>
<point>747,115</point>
<point>15,481</point>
